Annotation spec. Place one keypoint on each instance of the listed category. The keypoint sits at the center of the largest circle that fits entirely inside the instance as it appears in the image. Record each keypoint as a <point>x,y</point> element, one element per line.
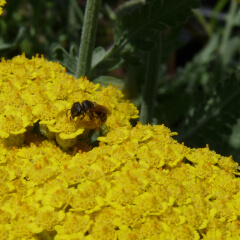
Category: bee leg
<point>68,112</point>
<point>98,122</point>
<point>91,116</point>
<point>82,117</point>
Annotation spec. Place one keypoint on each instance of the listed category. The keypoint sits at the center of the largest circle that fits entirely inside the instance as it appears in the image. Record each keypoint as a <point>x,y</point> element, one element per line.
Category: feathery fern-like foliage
<point>137,25</point>
<point>212,123</point>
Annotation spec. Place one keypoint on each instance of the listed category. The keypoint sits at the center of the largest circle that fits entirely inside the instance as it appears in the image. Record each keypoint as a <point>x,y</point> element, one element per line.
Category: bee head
<point>76,110</point>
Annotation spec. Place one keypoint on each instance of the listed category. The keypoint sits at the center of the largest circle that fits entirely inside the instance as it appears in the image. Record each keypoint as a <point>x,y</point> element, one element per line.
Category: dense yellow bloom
<point>128,197</point>
<point>35,90</point>
<point>138,183</point>
<point>2,3</point>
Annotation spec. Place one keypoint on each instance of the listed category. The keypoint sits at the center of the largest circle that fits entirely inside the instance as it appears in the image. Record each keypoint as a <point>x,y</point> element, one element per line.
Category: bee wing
<point>100,108</point>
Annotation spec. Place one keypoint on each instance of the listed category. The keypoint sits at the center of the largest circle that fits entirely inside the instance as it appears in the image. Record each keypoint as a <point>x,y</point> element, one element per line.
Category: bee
<point>92,109</point>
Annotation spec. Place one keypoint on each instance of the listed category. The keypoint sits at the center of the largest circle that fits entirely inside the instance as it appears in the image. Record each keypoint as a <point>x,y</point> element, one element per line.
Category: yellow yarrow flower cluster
<point>36,90</point>
<point>2,3</point>
<point>139,183</point>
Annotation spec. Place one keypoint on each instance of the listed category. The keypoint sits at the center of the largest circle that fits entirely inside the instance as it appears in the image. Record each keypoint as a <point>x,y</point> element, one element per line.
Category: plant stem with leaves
<point>150,84</point>
<point>88,38</point>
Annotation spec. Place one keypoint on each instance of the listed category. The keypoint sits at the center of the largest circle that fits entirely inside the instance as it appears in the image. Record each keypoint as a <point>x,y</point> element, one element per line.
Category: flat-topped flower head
<point>138,183</point>
<point>61,180</point>
<point>44,93</point>
<point>75,223</point>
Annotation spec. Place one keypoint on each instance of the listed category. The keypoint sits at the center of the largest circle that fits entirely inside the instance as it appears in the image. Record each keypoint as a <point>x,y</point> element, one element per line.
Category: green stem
<point>217,9</point>
<point>201,19</point>
<point>228,27</point>
<point>88,38</point>
<point>150,85</point>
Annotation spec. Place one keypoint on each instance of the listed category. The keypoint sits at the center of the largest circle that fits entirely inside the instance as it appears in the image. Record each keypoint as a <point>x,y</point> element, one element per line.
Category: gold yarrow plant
<point>2,3</point>
<point>139,183</point>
